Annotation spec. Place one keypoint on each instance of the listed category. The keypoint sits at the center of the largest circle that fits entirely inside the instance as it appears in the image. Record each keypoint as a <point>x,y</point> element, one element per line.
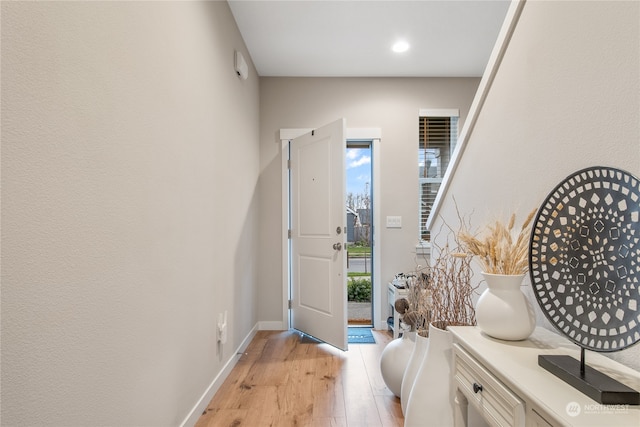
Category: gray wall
<point>391,104</point>
<point>566,97</point>
<point>141,183</point>
<point>129,208</point>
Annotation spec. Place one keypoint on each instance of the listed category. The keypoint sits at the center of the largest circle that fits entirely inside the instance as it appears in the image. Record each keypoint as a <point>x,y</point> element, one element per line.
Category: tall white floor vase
<point>417,357</point>
<point>503,311</point>
<point>430,402</point>
<point>394,360</point>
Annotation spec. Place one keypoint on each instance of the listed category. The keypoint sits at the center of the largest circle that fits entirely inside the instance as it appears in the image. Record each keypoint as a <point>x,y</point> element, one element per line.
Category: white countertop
<point>515,363</point>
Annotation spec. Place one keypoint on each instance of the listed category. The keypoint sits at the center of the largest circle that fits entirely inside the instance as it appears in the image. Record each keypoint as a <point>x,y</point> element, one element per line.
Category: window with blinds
<point>438,136</point>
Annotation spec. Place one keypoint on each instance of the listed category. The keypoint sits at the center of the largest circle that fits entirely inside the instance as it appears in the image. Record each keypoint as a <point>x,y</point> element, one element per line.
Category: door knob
<point>337,246</point>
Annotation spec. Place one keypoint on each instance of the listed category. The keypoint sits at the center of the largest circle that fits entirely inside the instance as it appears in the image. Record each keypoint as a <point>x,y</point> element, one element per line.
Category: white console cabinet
<point>394,294</point>
<point>504,383</point>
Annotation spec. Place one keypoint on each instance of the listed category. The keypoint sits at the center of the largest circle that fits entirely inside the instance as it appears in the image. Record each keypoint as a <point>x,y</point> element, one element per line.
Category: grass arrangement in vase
<point>418,304</point>
<point>503,311</point>
<point>500,250</point>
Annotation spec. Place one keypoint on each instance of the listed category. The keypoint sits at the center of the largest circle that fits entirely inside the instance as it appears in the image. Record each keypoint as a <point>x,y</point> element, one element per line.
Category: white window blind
<point>438,136</point>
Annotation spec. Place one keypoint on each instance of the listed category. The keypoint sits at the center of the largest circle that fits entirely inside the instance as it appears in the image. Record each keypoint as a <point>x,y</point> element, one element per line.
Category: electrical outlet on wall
<point>222,327</point>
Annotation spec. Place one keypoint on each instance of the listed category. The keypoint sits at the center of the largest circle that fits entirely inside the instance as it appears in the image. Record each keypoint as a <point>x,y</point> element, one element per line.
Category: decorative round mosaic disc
<point>584,258</point>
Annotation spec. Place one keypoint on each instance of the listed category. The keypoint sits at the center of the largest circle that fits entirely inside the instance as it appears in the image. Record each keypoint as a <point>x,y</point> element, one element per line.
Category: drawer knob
<point>477,387</point>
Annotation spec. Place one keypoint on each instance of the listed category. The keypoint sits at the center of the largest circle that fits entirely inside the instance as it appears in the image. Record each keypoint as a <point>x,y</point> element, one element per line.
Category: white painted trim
<point>353,134</point>
<point>362,134</point>
<point>195,413</point>
<point>440,112</point>
<point>284,154</point>
<point>379,318</point>
<point>508,27</point>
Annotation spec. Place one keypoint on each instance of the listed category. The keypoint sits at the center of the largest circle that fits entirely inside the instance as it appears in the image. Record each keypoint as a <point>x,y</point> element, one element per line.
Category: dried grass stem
<point>499,251</point>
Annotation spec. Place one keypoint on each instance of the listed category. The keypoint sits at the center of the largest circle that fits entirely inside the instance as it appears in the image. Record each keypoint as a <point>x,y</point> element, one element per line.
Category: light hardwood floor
<point>284,380</point>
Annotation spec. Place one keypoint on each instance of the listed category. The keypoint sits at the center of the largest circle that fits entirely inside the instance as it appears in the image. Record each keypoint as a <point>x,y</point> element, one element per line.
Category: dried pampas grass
<point>500,251</point>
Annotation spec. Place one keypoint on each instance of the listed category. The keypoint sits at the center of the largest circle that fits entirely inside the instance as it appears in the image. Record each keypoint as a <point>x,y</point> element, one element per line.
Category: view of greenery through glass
<point>358,205</point>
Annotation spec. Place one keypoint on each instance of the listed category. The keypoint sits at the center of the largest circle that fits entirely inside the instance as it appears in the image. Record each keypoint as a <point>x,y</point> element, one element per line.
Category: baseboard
<point>271,326</point>
<point>202,403</point>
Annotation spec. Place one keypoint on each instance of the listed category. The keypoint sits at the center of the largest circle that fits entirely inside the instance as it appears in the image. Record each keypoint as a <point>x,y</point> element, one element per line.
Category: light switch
<point>394,222</point>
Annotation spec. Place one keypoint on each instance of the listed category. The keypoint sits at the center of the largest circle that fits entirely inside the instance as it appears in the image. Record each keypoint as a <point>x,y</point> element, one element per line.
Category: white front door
<point>318,226</point>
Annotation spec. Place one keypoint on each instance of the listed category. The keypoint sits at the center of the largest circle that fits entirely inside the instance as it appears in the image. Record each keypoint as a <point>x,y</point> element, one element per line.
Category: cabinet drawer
<point>496,403</point>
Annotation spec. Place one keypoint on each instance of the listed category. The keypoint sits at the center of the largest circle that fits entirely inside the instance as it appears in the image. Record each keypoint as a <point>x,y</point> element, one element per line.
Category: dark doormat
<point>361,336</point>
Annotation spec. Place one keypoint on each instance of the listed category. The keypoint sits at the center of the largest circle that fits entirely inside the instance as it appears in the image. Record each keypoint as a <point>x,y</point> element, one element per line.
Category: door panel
<point>315,298</point>
<point>314,201</point>
<point>318,219</point>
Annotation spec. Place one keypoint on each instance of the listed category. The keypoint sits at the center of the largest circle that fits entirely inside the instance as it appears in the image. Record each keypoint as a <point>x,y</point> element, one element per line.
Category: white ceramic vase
<point>417,357</point>
<point>430,402</point>
<point>503,311</point>
<point>394,360</point>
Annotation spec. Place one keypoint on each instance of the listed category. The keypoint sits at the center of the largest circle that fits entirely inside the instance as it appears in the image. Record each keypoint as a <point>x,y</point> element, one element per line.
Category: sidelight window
<point>438,131</point>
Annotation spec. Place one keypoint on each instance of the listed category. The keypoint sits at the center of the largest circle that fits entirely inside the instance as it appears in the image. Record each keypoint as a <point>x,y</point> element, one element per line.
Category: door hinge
<point>289,304</point>
<point>289,233</point>
<point>288,164</point>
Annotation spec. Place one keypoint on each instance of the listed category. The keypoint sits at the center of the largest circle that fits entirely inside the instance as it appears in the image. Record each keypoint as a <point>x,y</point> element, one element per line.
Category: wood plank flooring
<point>284,380</point>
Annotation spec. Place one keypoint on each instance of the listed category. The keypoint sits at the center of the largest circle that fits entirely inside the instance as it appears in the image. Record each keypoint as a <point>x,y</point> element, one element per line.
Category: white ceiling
<point>353,38</point>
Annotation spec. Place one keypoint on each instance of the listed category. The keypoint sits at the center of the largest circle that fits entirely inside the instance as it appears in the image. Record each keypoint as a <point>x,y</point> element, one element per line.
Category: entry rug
<point>360,336</point>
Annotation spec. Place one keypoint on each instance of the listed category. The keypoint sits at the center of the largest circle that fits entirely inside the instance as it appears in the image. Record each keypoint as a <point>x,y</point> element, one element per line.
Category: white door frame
<point>359,134</point>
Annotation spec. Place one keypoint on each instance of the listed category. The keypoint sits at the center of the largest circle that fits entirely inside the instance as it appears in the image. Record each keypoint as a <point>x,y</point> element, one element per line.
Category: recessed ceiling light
<point>400,47</point>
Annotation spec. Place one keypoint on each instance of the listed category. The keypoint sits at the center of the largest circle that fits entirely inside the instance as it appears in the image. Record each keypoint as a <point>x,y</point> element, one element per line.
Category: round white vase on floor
<point>430,402</point>
<point>394,360</point>
<point>503,311</point>
<point>417,357</point>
